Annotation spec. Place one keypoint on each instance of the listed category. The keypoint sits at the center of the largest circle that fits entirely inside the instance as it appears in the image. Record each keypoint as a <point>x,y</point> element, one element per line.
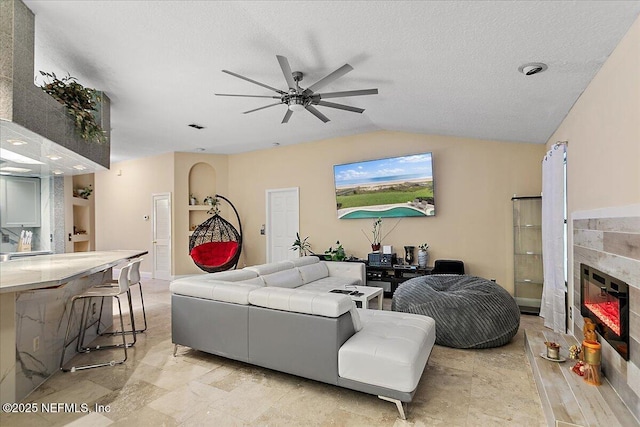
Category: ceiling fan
<point>297,98</point>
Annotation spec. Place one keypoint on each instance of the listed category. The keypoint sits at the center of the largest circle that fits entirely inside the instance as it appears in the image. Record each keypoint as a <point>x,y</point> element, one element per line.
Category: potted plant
<point>423,255</point>
<point>301,245</point>
<point>192,199</point>
<point>377,236</point>
<point>376,240</point>
<point>85,192</point>
<point>336,254</point>
<point>81,103</point>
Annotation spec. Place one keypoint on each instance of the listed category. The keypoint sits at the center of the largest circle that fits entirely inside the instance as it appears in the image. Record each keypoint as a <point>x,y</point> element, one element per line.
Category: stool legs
<point>133,330</point>
<point>81,335</point>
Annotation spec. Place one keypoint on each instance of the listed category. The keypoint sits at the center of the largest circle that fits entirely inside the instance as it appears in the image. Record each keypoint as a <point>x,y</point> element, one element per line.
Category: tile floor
<point>458,388</point>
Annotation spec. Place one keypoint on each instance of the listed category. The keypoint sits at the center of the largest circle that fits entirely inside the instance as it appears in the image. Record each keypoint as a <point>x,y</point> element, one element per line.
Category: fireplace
<point>605,300</point>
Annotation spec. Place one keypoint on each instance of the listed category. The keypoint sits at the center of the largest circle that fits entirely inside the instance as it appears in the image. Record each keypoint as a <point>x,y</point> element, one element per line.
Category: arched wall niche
<point>202,181</point>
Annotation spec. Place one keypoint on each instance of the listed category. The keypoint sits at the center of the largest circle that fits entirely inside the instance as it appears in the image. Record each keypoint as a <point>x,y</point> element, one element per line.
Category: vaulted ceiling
<point>441,67</point>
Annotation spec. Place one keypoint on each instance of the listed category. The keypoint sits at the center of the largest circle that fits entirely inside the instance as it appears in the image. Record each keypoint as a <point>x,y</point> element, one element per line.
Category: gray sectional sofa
<point>282,316</point>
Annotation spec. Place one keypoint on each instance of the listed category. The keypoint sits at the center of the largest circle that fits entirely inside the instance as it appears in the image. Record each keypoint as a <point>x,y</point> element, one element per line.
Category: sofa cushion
<point>295,300</point>
<point>355,317</point>
<point>264,269</point>
<point>283,279</point>
<point>232,275</point>
<point>237,293</point>
<point>255,281</point>
<point>391,350</point>
<point>305,260</point>
<point>328,283</point>
<point>313,272</point>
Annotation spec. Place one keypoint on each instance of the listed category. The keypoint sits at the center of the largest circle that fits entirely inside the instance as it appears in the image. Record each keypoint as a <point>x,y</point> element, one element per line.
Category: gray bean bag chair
<point>470,312</point>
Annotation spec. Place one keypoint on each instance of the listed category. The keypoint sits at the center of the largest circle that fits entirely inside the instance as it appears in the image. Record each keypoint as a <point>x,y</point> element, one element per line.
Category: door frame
<point>268,224</point>
<point>153,227</point>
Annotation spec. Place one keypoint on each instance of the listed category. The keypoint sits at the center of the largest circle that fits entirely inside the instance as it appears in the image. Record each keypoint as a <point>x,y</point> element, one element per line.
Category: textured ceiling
<point>445,67</point>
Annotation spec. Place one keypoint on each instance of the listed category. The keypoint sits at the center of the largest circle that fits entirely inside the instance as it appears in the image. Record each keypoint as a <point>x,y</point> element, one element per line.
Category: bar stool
<point>134,279</point>
<point>86,296</point>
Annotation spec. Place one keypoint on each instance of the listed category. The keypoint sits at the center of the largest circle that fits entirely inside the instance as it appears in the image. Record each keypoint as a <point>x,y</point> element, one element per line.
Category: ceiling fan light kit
<point>297,99</point>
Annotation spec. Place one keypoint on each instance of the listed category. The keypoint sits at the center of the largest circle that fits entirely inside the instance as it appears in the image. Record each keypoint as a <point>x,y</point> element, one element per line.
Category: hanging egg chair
<point>215,245</point>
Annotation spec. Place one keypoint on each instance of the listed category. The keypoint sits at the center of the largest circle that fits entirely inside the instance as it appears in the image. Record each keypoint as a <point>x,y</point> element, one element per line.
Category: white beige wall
<point>603,130</point>
<point>123,198</point>
<point>474,183</point>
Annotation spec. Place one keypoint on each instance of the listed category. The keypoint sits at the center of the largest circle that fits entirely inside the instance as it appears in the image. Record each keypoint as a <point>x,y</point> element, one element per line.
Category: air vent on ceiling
<point>195,126</point>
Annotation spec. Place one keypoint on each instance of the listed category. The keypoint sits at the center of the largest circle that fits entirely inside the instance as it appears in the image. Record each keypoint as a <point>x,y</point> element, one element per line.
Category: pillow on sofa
<point>283,279</point>
<point>313,272</point>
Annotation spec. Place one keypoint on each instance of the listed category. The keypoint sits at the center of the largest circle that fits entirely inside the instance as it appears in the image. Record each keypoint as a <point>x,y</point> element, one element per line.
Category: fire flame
<point>607,312</point>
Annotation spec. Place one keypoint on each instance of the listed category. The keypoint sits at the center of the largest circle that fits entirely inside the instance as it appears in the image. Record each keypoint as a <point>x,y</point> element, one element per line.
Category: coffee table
<point>367,294</point>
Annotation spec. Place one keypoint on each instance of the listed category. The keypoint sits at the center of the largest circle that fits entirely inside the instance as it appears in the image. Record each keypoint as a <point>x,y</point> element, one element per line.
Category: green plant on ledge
<point>336,254</point>
<point>80,102</point>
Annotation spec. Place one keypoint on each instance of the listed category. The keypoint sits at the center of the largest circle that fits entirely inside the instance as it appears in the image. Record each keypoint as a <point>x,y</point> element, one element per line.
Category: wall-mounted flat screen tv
<point>386,188</point>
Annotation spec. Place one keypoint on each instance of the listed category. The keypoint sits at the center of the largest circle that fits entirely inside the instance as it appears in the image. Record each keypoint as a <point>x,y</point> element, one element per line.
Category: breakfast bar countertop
<point>45,271</point>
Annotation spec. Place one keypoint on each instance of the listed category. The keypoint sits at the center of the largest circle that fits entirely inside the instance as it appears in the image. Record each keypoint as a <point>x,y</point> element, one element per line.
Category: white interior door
<point>161,247</point>
<point>283,222</point>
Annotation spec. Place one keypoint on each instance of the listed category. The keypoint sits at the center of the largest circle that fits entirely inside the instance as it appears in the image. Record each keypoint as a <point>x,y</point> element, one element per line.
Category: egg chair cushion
<point>470,312</point>
<point>214,253</point>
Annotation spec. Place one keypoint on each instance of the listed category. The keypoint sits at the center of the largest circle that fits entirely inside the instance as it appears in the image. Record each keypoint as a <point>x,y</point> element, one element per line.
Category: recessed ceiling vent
<point>195,126</point>
<point>532,68</point>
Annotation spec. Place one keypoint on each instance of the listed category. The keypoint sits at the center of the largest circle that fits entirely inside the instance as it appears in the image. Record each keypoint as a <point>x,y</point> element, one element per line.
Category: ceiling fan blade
<point>286,70</point>
<point>329,78</point>
<point>339,106</point>
<point>262,108</point>
<point>287,115</point>
<point>313,110</point>
<point>253,81</point>
<point>247,96</point>
<point>347,93</point>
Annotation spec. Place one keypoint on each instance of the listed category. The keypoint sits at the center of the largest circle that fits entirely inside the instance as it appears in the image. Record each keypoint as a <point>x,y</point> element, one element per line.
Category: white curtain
<point>553,197</point>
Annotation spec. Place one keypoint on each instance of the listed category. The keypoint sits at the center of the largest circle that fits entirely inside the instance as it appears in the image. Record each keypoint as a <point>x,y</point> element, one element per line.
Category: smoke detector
<point>532,68</point>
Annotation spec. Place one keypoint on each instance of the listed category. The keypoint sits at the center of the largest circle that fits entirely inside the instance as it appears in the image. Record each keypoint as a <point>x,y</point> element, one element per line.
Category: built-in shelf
<point>79,201</point>
<point>200,207</point>
<point>80,238</point>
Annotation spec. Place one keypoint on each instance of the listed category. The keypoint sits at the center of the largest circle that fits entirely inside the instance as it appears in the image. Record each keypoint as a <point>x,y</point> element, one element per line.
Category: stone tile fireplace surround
<point>609,240</point>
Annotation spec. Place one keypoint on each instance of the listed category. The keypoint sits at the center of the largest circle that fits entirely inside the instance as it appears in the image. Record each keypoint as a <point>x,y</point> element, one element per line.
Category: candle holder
<point>592,355</point>
<point>553,350</point>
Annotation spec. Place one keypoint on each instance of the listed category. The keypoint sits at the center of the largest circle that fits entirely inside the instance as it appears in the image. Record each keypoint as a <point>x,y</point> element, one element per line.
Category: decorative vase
<point>408,257</point>
<point>423,257</point>
<point>375,247</point>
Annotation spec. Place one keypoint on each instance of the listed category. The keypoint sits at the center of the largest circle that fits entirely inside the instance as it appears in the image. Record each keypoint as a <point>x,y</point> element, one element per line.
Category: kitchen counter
<point>35,297</point>
<point>45,271</point>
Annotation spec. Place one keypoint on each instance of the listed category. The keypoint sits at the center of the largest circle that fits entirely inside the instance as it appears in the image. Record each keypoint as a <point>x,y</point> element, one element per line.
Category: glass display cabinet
<point>527,252</point>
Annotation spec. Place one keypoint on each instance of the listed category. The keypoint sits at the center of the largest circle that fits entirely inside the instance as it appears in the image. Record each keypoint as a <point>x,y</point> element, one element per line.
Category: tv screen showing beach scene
<point>385,188</point>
